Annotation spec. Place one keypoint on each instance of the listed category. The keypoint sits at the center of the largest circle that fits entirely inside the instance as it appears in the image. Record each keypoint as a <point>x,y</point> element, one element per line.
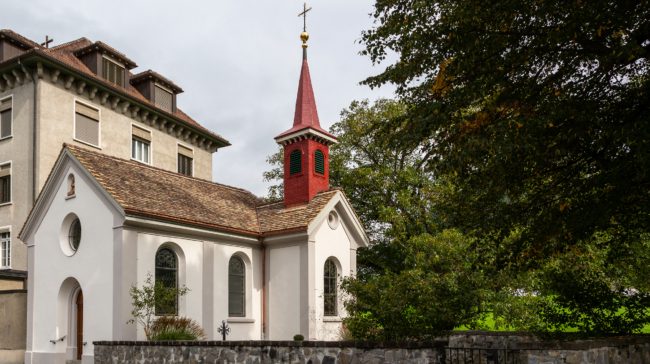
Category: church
<point>102,224</point>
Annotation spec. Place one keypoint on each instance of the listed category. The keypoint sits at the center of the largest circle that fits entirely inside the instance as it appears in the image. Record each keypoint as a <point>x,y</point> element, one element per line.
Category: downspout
<point>35,78</point>
<point>263,290</point>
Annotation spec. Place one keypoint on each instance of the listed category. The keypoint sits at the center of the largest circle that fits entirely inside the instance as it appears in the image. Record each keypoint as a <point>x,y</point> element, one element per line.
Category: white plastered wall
<point>337,243</point>
<point>54,273</point>
<point>248,327</point>
<point>190,270</point>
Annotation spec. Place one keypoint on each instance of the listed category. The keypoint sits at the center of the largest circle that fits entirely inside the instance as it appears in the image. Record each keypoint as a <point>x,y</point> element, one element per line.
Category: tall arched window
<point>236,287</point>
<point>295,162</point>
<point>329,288</point>
<point>167,274</point>
<point>319,162</point>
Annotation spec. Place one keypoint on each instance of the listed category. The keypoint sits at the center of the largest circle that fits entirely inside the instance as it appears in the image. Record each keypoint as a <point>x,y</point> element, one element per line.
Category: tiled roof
<point>17,37</point>
<point>111,51</point>
<point>155,75</point>
<point>275,218</point>
<point>154,193</point>
<point>65,54</point>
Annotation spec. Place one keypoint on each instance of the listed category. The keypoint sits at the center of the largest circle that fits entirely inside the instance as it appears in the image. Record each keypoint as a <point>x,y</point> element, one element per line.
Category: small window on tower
<point>319,162</point>
<point>295,162</point>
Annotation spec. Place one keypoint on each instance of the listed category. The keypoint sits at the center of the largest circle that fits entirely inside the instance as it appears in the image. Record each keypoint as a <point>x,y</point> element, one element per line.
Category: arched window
<point>236,287</point>
<point>295,162</point>
<point>319,162</point>
<point>167,275</point>
<point>329,288</point>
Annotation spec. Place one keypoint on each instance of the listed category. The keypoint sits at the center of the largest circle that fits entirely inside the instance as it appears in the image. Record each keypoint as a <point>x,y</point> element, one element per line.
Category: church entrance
<point>79,323</point>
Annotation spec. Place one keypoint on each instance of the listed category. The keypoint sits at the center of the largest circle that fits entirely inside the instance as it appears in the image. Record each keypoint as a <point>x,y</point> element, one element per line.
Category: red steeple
<point>306,144</point>
<point>305,115</point>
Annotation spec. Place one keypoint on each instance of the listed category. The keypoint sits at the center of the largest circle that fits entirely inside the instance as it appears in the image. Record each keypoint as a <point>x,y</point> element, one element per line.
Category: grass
<point>488,324</point>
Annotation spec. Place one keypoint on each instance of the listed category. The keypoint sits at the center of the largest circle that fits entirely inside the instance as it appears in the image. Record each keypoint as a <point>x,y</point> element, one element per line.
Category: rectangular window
<point>163,98</point>
<point>5,183</point>
<point>5,249</point>
<point>185,160</point>
<point>86,124</point>
<point>5,118</point>
<point>140,142</point>
<point>112,72</point>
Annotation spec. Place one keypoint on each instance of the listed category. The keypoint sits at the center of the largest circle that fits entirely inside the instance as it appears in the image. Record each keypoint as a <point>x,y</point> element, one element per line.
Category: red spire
<point>306,114</point>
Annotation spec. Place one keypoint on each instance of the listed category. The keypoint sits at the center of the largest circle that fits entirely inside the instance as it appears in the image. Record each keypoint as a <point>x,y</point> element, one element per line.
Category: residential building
<point>82,93</point>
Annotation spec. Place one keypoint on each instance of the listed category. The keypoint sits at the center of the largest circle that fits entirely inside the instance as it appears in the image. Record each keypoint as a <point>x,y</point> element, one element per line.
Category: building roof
<point>153,193</point>
<point>149,74</point>
<point>65,54</point>
<point>306,114</point>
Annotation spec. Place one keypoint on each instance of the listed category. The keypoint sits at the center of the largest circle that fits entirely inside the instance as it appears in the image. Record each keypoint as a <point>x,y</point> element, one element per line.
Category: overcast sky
<point>238,61</point>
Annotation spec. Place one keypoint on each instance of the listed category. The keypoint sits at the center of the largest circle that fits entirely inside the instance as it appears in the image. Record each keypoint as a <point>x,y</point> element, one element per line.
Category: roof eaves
<point>189,222</point>
<point>35,52</point>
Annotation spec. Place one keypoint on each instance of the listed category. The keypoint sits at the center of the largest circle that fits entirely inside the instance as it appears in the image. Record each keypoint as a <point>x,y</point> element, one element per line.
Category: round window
<point>70,234</point>
<point>333,220</point>
<point>74,235</point>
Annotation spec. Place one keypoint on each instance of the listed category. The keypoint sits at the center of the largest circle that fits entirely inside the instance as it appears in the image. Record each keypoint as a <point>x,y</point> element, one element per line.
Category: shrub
<point>298,337</point>
<point>176,328</point>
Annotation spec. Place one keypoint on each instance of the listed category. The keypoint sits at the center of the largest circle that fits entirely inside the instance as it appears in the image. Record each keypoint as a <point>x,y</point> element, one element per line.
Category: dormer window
<point>163,98</point>
<point>157,89</point>
<point>112,71</point>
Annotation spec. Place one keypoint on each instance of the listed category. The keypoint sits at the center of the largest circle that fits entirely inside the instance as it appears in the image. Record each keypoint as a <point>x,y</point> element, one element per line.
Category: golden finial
<point>304,36</point>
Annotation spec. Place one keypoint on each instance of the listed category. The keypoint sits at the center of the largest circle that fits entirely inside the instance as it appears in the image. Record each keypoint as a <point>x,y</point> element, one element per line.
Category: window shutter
<point>5,104</point>
<point>87,111</point>
<point>295,162</point>
<point>5,170</point>
<point>319,159</point>
<point>163,98</point>
<point>87,124</point>
<point>185,151</point>
<point>141,133</point>
<point>5,123</point>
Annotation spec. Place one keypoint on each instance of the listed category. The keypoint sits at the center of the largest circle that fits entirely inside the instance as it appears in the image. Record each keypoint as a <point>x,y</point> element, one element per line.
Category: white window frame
<point>11,184</point>
<point>133,137</point>
<point>5,229</point>
<point>74,122</point>
<point>12,116</point>
<point>193,155</point>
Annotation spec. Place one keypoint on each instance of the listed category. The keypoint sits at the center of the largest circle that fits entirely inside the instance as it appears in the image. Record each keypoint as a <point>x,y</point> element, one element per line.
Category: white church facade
<point>103,224</point>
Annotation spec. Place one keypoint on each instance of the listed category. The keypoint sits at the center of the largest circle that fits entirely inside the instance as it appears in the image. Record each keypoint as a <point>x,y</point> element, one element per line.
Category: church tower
<point>306,144</point>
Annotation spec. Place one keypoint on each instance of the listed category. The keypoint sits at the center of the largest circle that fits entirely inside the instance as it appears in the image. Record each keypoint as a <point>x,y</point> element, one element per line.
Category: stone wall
<point>472,347</point>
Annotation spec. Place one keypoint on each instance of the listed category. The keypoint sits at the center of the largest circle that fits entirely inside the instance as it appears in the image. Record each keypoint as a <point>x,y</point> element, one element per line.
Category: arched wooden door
<point>80,323</point>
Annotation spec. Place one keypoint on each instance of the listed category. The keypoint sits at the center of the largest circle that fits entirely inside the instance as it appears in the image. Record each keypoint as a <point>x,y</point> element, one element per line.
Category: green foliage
<point>539,115</point>
<point>298,337</point>
<point>144,301</point>
<point>176,328</point>
<point>438,288</point>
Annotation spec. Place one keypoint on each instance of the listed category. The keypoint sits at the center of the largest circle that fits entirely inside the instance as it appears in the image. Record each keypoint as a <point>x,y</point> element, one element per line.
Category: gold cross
<point>304,16</point>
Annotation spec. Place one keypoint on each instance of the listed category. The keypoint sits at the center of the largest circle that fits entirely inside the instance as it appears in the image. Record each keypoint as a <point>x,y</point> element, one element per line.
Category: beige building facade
<point>81,93</point>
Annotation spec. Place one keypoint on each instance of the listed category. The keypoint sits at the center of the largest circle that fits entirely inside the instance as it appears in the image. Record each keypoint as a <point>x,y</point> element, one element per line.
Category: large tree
<point>538,112</point>
<point>413,261</point>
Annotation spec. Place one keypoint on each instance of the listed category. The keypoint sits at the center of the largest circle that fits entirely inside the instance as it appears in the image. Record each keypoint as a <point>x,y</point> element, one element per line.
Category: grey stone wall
<point>471,347</point>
